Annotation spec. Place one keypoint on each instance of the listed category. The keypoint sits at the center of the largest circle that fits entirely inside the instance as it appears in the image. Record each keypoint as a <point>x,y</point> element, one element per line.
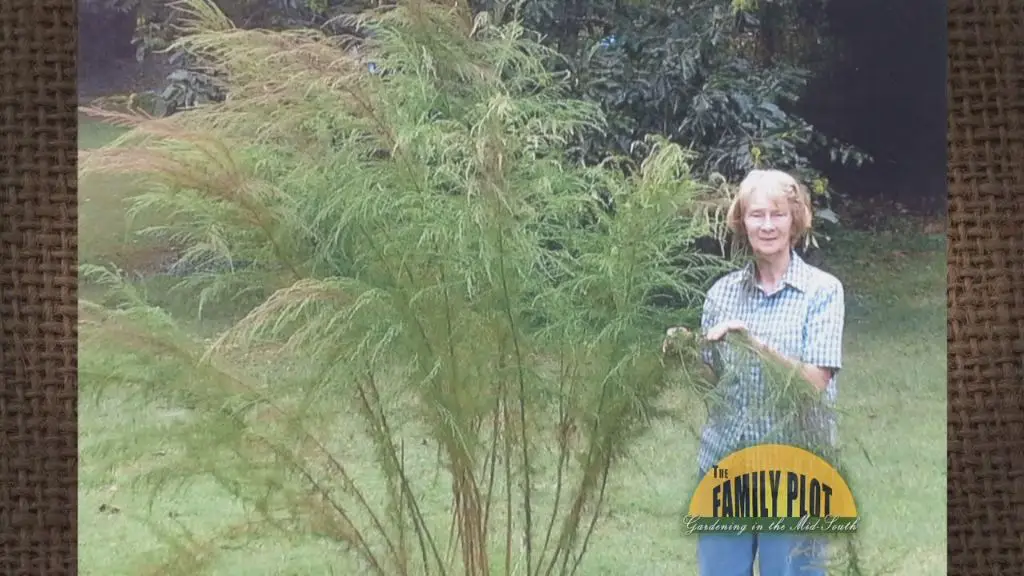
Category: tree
<point>723,78</point>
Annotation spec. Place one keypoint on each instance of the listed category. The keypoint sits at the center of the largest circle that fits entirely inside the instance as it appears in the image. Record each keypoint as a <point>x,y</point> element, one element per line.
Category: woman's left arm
<point>823,339</point>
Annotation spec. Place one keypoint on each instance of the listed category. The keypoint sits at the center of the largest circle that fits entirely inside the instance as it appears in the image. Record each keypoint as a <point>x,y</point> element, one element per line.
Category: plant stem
<point>527,508</point>
<point>563,456</point>
<point>597,513</point>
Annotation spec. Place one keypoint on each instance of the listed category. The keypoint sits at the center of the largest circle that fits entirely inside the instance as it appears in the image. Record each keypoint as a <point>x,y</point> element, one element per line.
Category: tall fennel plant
<point>428,263</point>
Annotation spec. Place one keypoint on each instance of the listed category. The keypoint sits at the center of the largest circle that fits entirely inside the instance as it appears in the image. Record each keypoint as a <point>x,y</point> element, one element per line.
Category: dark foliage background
<point>841,92</point>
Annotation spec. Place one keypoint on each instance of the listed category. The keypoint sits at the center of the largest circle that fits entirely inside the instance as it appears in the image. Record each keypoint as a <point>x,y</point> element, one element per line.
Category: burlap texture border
<point>38,443</point>
<point>38,449</point>
<point>986,287</point>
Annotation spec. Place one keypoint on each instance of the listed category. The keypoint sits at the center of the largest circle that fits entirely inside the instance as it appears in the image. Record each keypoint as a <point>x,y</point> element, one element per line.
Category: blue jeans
<point>777,554</point>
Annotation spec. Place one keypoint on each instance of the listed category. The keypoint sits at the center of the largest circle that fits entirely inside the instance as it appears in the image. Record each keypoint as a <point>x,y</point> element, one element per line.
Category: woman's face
<point>769,222</point>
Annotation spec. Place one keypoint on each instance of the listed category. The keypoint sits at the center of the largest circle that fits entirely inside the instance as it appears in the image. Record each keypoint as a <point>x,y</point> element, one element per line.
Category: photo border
<point>985,429</point>
<point>38,286</point>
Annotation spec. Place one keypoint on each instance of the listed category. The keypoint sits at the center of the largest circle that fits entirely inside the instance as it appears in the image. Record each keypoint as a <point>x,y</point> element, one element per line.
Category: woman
<point>791,312</point>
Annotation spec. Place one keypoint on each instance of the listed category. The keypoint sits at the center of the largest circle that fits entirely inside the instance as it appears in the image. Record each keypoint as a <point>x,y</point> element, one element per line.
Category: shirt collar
<point>795,276</point>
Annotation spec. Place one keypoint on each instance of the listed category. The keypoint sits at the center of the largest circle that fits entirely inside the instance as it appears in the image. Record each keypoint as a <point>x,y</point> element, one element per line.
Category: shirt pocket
<point>782,327</point>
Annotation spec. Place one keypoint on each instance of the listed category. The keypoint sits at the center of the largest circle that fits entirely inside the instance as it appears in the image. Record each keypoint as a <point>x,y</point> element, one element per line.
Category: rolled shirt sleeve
<point>823,335</point>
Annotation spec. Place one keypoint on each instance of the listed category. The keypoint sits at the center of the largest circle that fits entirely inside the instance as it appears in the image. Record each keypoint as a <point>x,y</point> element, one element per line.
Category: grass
<point>101,211</point>
<point>101,207</point>
<point>892,393</point>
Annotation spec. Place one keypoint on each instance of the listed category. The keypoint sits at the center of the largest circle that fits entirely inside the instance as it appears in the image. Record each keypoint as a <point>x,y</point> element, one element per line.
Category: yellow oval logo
<point>772,487</point>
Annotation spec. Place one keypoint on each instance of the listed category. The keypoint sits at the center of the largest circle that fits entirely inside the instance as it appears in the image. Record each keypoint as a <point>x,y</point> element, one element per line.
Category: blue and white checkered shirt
<point>803,320</point>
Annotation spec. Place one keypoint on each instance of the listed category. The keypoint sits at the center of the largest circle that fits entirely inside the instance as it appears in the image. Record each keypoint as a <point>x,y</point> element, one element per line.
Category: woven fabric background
<point>38,444</point>
<point>38,454</point>
<point>986,287</point>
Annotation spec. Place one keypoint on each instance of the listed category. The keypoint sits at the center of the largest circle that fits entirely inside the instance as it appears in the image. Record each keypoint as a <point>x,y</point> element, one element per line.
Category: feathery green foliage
<point>427,263</point>
<point>429,258</point>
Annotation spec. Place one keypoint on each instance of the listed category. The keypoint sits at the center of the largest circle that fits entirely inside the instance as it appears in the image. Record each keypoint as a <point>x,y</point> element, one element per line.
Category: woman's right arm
<point>706,368</point>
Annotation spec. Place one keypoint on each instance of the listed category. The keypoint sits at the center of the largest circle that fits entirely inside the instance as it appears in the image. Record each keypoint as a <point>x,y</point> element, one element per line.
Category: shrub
<point>427,264</point>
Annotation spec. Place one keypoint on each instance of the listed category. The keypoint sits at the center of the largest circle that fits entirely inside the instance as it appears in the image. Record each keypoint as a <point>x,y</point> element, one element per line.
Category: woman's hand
<point>672,337</point>
<point>668,345</point>
<point>718,331</point>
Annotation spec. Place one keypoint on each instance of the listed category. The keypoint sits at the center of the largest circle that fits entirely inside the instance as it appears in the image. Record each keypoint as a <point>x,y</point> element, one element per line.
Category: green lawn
<point>892,391</point>
<point>102,209</point>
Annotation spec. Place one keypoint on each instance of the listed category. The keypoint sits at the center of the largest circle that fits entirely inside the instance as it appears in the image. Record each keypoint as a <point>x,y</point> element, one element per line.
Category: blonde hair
<point>773,183</point>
